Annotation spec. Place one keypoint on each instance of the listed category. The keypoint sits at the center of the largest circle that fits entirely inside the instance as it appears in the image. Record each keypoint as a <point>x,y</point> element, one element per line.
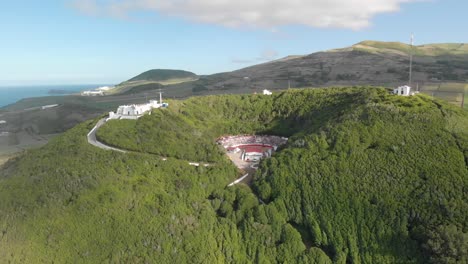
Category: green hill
<point>366,177</point>
<point>162,75</point>
<point>152,80</point>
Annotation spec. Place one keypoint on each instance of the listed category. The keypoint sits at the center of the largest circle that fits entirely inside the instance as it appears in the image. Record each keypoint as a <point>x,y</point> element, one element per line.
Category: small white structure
<point>92,93</point>
<point>267,92</point>
<point>134,111</point>
<point>252,154</point>
<point>404,90</point>
<point>2,122</point>
<point>48,106</point>
<point>104,88</point>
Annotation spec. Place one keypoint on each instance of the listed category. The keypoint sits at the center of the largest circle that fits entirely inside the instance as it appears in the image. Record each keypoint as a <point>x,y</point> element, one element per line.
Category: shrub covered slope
<point>366,177</point>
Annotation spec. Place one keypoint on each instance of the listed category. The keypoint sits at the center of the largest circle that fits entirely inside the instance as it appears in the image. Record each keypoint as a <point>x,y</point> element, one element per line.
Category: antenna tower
<point>411,60</point>
<point>160,96</point>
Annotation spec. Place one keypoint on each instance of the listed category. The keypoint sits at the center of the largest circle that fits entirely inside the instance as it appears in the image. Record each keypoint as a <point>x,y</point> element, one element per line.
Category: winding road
<point>93,141</point>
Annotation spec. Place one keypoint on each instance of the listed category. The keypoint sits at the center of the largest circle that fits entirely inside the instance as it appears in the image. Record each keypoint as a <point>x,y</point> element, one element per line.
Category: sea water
<point>11,94</point>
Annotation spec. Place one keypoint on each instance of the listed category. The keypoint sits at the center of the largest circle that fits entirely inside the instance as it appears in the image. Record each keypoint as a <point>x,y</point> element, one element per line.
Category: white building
<point>404,90</point>
<point>134,111</point>
<point>252,153</point>
<point>267,92</point>
<point>104,88</point>
<point>48,106</point>
<point>92,93</point>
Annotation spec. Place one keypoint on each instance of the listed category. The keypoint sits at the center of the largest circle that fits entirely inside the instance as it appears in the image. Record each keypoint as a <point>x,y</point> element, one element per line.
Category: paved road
<point>93,140</point>
<point>238,180</point>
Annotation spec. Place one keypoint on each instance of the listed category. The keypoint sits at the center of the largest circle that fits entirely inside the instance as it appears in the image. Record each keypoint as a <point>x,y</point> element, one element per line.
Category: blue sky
<point>108,41</point>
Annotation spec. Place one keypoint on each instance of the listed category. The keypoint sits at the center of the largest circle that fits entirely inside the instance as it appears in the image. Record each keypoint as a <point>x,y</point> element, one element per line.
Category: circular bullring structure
<point>244,150</point>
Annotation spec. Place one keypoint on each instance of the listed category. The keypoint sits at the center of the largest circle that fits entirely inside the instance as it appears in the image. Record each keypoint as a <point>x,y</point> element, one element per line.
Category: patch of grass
<point>449,91</point>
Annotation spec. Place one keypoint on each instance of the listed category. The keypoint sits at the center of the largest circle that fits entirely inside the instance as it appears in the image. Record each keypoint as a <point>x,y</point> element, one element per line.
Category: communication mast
<point>411,60</point>
<point>160,96</point>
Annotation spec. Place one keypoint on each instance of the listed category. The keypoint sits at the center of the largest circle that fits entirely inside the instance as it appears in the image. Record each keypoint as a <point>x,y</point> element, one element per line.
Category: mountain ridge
<point>338,67</point>
<point>365,63</point>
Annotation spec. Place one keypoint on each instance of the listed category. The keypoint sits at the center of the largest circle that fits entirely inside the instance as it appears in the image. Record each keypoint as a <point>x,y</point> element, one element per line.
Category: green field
<point>450,92</point>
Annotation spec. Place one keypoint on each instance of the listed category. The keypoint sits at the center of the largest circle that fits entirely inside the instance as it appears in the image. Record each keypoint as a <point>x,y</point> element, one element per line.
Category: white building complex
<point>92,93</point>
<point>105,88</point>
<point>135,111</point>
<point>252,147</point>
<point>48,106</point>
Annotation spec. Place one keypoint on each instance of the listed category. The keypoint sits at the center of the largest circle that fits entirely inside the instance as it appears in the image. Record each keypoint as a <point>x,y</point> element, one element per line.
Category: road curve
<point>93,140</point>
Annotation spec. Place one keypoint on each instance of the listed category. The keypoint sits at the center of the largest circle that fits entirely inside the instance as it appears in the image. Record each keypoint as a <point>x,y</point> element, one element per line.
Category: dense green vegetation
<point>162,75</point>
<point>187,129</point>
<point>367,177</point>
<point>71,202</point>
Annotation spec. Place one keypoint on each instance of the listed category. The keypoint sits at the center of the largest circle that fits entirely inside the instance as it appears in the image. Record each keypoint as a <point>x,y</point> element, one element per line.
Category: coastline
<point>12,94</point>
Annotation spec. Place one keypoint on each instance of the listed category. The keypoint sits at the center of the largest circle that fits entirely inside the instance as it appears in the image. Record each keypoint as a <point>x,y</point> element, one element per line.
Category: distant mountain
<point>163,75</point>
<point>422,50</point>
<point>365,63</point>
<point>153,79</point>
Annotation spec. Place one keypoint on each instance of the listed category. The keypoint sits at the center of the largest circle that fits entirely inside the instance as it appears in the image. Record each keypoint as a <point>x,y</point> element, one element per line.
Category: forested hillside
<point>367,177</point>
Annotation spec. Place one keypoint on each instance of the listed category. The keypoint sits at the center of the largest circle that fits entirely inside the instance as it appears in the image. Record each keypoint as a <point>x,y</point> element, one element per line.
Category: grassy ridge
<point>162,75</point>
<point>422,50</point>
<point>367,177</point>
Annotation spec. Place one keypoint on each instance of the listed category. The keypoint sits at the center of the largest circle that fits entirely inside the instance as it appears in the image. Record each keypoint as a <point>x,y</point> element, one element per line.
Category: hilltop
<point>365,63</point>
<point>154,79</point>
<point>163,75</point>
<point>366,177</point>
<point>430,50</point>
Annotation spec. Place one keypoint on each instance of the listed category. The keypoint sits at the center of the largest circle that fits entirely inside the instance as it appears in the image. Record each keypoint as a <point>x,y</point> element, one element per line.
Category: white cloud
<point>268,54</point>
<point>269,14</point>
<point>88,7</point>
<point>265,55</point>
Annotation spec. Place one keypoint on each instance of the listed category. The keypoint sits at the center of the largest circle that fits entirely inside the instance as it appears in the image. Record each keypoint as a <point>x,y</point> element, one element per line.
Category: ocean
<point>11,94</point>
